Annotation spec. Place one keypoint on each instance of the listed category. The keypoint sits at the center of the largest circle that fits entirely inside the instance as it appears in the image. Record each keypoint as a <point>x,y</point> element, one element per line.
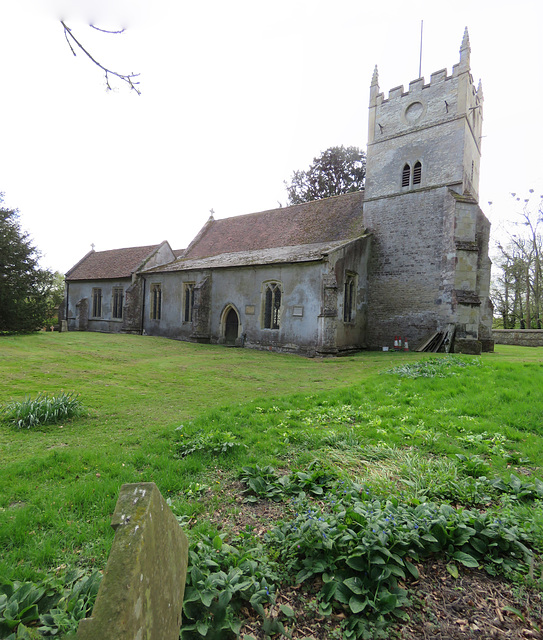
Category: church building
<point>407,256</point>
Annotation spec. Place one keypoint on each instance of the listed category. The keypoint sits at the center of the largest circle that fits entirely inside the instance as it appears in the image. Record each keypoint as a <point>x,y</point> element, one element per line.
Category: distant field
<point>190,417</point>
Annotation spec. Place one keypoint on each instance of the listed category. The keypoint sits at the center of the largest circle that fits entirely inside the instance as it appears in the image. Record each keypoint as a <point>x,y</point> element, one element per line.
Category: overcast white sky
<point>235,96</point>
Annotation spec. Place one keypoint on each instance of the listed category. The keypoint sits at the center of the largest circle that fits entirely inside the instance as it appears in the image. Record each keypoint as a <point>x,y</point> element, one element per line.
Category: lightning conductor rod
<point>420,56</point>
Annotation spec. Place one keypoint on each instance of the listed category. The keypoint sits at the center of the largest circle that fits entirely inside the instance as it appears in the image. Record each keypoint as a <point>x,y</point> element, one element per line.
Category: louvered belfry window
<point>417,173</point>
<point>406,175</point>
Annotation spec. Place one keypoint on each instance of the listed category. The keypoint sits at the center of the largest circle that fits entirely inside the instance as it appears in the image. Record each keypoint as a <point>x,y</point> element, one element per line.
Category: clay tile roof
<point>104,265</point>
<point>327,220</point>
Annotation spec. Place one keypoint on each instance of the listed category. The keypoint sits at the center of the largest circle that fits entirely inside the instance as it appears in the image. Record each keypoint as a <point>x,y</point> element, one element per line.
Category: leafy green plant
<point>43,410</point>
<point>24,633</point>
<point>473,465</point>
<point>361,547</point>
<point>519,489</point>
<point>489,443</point>
<point>222,579</point>
<point>433,367</point>
<point>215,442</point>
<point>23,602</point>
<point>195,490</point>
<point>264,482</point>
<point>76,604</point>
<point>56,606</point>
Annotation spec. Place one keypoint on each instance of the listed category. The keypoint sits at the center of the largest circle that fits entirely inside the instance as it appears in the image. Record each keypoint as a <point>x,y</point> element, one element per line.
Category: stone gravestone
<point>141,594</point>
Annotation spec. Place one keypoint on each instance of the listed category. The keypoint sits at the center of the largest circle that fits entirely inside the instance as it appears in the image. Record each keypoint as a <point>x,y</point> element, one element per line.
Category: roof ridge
<point>143,246</point>
<point>291,206</point>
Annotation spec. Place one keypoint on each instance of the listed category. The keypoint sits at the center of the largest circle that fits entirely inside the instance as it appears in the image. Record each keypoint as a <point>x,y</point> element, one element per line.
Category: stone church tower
<point>429,269</point>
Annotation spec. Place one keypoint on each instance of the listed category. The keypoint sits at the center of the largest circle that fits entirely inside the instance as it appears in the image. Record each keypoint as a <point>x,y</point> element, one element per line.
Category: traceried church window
<point>349,297</point>
<point>272,305</point>
<point>156,301</point>
<point>97,303</point>
<point>406,176</point>
<point>417,173</point>
<point>188,301</point>
<point>118,302</point>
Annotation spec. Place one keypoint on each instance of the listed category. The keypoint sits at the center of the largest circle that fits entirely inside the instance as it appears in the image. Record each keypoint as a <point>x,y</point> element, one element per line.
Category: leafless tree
<point>74,44</point>
<point>518,287</point>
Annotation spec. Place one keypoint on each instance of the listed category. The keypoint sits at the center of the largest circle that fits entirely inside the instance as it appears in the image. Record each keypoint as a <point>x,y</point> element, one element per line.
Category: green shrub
<point>433,367</point>
<point>43,410</point>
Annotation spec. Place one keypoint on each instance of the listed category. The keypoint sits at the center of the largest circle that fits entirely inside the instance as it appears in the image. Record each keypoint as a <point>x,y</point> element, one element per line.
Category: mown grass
<point>149,400</point>
<point>58,484</point>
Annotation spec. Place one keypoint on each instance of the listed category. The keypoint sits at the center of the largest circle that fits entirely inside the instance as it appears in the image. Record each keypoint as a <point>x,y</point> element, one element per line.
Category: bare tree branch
<point>106,30</point>
<point>129,78</point>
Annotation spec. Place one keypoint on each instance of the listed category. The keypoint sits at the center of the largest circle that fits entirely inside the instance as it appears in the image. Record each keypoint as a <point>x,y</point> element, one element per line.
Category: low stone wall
<point>519,337</point>
<point>141,594</point>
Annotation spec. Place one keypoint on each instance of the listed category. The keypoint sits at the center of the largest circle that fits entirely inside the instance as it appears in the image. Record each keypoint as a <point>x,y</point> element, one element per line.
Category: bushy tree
<point>336,171</point>
<point>25,288</point>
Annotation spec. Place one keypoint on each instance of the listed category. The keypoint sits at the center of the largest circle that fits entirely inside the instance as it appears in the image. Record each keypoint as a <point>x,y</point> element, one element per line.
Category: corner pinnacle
<point>375,78</point>
<point>465,41</point>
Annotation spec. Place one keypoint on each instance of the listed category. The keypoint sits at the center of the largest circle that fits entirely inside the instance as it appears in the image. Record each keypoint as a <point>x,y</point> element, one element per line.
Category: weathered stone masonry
<point>429,269</point>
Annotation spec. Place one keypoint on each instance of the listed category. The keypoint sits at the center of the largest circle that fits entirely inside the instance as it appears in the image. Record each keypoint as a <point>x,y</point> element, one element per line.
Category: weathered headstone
<point>141,595</point>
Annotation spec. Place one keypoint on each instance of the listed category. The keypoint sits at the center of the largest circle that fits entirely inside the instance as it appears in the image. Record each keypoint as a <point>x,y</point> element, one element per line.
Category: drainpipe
<point>67,302</point>
<point>142,305</point>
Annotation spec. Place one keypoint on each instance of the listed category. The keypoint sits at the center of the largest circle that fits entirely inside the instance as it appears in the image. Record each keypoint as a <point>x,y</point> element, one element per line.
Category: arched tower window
<point>417,173</point>
<point>406,175</point>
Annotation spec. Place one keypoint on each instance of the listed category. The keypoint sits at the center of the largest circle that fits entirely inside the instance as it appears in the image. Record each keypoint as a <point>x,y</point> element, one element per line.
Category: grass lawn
<point>206,423</point>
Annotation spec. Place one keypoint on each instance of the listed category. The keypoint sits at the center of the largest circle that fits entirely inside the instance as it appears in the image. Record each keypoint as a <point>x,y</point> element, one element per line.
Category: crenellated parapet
<point>410,126</point>
<point>448,96</point>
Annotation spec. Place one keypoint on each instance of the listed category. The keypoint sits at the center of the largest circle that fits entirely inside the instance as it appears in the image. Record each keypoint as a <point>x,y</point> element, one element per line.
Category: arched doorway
<point>231,326</point>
